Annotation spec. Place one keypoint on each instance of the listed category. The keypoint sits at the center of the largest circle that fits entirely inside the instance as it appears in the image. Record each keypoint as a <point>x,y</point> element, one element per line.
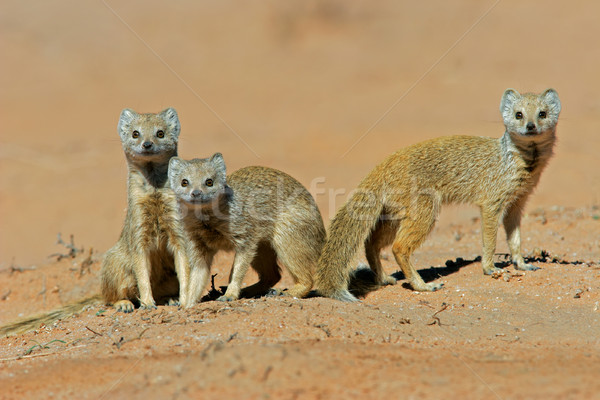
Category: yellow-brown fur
<point>398,202</point>
<point>148,261</point>
<point>263,214</point>
<point>142,264</point>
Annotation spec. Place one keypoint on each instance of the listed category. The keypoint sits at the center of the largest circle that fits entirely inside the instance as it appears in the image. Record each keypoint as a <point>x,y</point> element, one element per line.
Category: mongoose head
<point>149,137</point>
<point>200,181</point>
<point>530,115</point>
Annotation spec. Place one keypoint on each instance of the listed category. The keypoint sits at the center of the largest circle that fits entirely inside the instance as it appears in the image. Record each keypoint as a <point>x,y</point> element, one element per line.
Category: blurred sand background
<point>288,84</point>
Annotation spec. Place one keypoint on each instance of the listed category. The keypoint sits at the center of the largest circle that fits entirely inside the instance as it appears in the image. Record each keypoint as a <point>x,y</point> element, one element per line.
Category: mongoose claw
<point>225,298</point>
<point>527,267</point>
<point>150,306</point>
<point>124,306</point>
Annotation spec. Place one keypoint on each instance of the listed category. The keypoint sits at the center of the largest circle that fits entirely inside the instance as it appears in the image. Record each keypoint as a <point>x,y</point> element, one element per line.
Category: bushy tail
<point>33,322</point>
<point>350,227</point>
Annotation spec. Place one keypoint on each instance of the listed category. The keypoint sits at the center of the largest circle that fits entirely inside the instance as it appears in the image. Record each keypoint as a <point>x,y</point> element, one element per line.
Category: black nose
<point>196,193</point>
<point>530,126</point>
<point>147,145</point>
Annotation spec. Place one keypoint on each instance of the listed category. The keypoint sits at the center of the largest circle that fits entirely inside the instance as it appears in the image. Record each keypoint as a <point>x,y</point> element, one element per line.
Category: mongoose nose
<point>196,193</point>
<point>147,145</point>
<point>530,126</point>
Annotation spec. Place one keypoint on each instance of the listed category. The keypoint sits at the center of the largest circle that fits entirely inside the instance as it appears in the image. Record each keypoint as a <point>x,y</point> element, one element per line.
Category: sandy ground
<point>324,91</point>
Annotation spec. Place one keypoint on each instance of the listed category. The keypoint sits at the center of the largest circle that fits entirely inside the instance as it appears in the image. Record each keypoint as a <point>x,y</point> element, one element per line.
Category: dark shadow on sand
<point>362,279</point>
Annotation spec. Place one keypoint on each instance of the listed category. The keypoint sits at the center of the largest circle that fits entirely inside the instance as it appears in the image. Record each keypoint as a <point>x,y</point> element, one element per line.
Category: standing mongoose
<point>262,214</point>
<point>143,261</point>
<point>398,202</point>
<point>148,261</point>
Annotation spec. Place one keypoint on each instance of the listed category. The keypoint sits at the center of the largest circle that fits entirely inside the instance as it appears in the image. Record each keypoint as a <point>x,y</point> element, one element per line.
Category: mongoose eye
<point>184,182</point>
<point>135,134</point>
<point>519,115</point>
<point>542,114</point>
<point>208,182</point>
<point>160,134</point>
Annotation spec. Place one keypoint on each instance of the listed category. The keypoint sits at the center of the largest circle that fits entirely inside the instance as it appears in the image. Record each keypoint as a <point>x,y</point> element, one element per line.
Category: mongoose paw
<point>275,292</point>
<point>173,302</point>
<point>493,271</point>
<point>388,280</point>
<point>432,287</point>
<point>124,306</point>
<point>226,298</point>
<point>527,267</point>
<point>429,287</point>
<point>150,306</point>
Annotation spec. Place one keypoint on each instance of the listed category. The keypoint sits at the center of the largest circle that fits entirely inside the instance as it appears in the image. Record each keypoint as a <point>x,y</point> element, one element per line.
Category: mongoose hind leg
<point>118,286</point>
<point>402,255</point>
<point>299,290</point>
<point>300,258</point>
<point>265,264</point>
<point>382,235</point>
<point>300,271</point>
<point>412,232</point>
<point>299,250</point>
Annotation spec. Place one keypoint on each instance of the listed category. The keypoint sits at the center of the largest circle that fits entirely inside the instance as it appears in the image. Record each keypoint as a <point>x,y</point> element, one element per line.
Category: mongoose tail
<point>33,322</point>
<point>350,228</point>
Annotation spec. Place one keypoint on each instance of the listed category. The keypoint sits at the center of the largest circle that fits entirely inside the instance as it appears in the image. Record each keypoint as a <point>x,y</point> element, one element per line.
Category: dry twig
<point>435,318</point>
<point>72,250</point>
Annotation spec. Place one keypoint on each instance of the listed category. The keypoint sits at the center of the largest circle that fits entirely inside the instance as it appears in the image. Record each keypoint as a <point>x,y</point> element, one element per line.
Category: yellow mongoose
<point>144,255</point>
<point>149,259</point>
<point>264,215</point>
<point>398,202</point>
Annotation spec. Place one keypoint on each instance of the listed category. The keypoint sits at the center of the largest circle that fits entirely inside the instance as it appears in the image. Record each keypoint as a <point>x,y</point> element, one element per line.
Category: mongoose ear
<point>550,96</point>
<point>218,161</point>
<point>509,98</point>
<point>175,163</point>
<point>170,116</point>
<point>127,115</point>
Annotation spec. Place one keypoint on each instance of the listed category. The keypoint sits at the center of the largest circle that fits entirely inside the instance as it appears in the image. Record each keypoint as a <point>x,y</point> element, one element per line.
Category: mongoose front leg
<point>182,267</point>
<point>142,276</point>
<point>512,226</point>
<point>199,273</point>
<point>241,263</point>
<point>489,232</point>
